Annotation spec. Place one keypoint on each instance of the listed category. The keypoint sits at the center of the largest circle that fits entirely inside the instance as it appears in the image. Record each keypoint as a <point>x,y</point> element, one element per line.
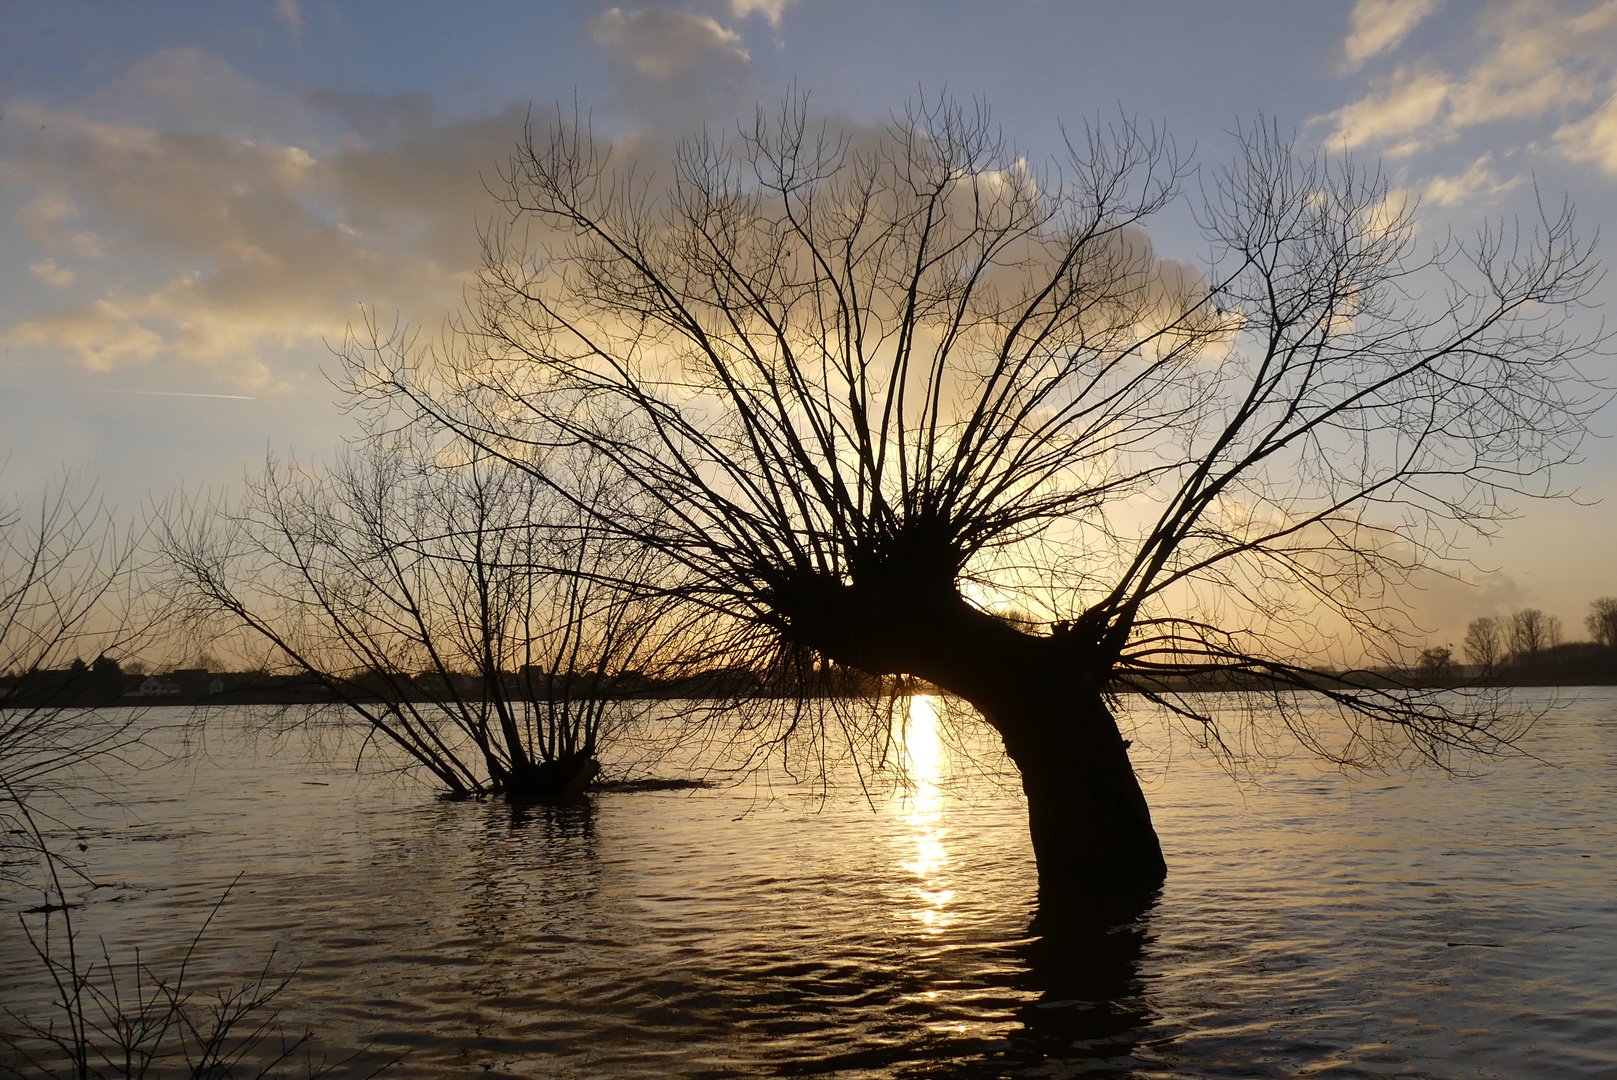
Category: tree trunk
<point>1091,828</point>
<point>560,780</point>
<point>1090,825</point>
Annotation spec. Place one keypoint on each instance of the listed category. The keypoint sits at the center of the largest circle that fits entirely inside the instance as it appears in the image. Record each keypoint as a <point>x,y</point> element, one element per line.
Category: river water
<point>1313,924</point>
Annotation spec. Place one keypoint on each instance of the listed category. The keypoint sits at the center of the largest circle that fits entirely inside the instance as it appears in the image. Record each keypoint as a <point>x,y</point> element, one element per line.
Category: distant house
<point>155,687</point>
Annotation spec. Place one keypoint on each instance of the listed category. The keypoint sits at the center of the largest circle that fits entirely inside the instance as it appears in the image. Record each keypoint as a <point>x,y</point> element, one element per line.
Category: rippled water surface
<point>1312,925</point>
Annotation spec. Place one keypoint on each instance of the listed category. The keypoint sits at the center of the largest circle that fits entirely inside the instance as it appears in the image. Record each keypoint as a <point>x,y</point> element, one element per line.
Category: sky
<point>198,199</point>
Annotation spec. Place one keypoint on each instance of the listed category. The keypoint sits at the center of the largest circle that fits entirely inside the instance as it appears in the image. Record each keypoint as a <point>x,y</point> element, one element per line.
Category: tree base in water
<point>561,780</point>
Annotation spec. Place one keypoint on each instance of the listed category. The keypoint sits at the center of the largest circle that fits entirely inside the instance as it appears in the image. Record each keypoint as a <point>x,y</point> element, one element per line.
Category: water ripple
<point>1313,924</point>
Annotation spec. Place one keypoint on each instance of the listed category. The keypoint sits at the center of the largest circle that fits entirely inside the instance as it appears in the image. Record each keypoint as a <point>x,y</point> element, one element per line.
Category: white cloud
<point>675,70</point>
<point>237,256</point>
<point>1412,103</point>
<point>1381,25</point>
<point>1477,180</point>
<point>47,219</point>
<point>769,9</point>
<point>659,43</point>
<point>1527,59</point>
<point>99,336</point>
<point>1594,138</point>
<point>1539,59</point>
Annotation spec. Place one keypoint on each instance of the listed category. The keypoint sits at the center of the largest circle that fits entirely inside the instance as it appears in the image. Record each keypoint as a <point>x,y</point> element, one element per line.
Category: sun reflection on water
<point>920,807</point>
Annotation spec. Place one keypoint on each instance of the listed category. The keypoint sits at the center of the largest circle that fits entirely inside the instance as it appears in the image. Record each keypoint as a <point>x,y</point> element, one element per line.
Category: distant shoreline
<point>195,687</point>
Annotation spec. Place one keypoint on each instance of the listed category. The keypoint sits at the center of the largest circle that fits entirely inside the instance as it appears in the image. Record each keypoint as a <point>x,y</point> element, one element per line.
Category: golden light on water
<point>920,807</point>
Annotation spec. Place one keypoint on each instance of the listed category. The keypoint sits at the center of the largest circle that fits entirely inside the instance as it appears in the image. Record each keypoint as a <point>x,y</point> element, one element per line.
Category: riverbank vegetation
<point>1564,663</point>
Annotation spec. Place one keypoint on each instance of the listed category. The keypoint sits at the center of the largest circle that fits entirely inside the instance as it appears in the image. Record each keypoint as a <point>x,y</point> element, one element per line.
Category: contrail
<point>176,393</point>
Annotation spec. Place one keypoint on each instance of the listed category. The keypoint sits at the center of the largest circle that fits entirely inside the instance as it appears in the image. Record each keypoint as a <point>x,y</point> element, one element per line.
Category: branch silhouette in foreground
<point>70,587</point>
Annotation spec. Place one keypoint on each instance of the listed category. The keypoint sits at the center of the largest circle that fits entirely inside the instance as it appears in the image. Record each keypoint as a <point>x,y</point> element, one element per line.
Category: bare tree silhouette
<point>1532,632</point>
<point>1485,644</point>
<point>69,588</point>
<point>885,386</point>
<point>450,600</point>
<point>1602,621</point>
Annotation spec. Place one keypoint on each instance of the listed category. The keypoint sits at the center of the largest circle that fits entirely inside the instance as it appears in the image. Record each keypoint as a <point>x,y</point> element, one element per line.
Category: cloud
<point>191,89</point>
<point>1381,25</point>
<point>47,219</point>
<point>1540,59</point>
<point>222,253</point>
<point>1411,103</point>
<point>239,255</point>
<point>674,70</point>
<point>1593,139</point>
<point>1525,60</point>
<point>1477,180</point>
<point>99,335</point>
<point>769,9</point>
<point>47,271</point>
<point>373,116</point>
<point>1443,605</point>
<point>289,12</point>
<point>661,44</point>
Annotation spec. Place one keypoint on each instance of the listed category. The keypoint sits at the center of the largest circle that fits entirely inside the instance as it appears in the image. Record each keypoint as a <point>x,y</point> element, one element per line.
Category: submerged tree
<point>452,602</point>
<point>883,386</point>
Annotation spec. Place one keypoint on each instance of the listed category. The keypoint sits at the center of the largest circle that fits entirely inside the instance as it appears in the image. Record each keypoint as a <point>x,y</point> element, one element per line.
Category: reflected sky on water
<point>921,807</point>
<point>1312,924</point>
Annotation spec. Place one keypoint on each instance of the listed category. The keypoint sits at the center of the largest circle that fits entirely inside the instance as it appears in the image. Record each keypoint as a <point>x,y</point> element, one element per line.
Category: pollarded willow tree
<point>887,386</point>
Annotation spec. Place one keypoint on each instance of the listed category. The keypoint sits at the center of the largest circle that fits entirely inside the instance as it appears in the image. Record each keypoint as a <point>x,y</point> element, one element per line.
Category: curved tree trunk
<point>1091,828</point>
<point>1089,821</point>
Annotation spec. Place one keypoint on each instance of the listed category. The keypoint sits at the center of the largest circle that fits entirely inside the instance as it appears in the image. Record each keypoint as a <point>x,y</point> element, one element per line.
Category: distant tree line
<point>1530,644</point>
